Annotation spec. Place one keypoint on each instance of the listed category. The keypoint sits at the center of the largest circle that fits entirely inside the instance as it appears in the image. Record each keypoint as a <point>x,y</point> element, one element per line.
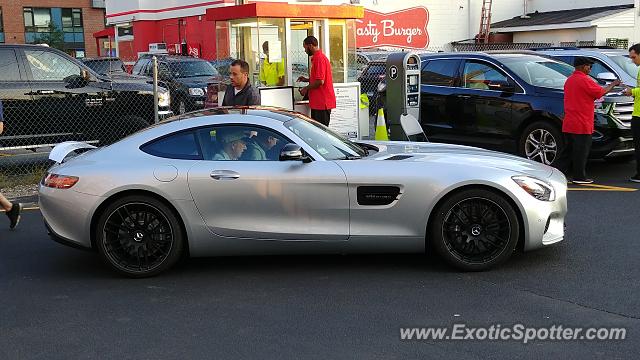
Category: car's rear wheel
<point>475,229</point>
<point>139,236</point>
<point>541,142</point>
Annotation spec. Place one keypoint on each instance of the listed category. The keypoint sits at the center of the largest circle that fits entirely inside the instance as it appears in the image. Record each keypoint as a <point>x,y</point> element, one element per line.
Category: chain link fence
<point>48,97</point>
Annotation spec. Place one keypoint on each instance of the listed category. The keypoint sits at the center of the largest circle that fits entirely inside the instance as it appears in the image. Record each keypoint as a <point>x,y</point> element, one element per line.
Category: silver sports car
<point>265,181</point>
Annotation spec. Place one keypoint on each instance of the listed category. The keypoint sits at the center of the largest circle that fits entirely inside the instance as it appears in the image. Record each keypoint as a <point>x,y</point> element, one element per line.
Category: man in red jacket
<point>320,89</point>
<point>580,93</point>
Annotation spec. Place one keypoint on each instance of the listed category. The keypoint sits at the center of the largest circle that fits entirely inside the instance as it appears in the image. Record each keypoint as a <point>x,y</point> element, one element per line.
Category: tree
<point>54,37</point>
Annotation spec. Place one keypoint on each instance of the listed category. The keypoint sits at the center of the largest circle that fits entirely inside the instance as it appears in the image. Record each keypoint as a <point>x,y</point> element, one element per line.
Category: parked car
<point>168,191</point>
<point>111,67</point>
<point>364,57</point>
<point>510,101</point>
<point>370,79</point>
<point>187,79</point>
<point>222,66</point>
<point>608,64</point>
<point>50,97</point>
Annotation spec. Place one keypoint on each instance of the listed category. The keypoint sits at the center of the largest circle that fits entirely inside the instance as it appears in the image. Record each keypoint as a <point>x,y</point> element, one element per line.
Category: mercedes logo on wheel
<point>476,230</point>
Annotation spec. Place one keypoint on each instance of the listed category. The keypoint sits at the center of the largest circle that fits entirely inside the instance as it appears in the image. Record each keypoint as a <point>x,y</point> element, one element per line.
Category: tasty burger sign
<point>405,28</point>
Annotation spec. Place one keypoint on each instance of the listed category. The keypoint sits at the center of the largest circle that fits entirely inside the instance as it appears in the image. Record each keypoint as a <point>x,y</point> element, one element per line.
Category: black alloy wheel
<point>475,230</point>
<point>139,236</point>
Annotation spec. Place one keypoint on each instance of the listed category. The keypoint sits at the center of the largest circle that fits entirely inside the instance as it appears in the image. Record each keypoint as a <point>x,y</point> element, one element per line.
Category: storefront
<point>269,37</point>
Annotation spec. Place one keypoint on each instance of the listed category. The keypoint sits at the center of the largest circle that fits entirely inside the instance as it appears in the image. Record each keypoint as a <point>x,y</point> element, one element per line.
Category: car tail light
<point>59,181</point>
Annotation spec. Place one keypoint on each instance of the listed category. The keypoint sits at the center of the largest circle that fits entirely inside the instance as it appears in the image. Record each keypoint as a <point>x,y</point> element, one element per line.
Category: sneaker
<point>14,215</point>
<point>635,179</point>
<point>582,181</point>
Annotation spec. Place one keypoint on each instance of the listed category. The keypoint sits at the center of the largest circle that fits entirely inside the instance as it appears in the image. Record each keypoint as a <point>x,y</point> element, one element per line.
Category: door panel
<point>16,100</point>
<point>282,200</point>
<point>243,191</point>
<point>439,104</point>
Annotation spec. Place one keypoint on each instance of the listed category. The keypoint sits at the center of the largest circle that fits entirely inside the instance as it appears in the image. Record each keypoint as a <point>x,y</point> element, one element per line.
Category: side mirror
<point>606,76</point>
<point>293,152</point>
<point>75,81</point>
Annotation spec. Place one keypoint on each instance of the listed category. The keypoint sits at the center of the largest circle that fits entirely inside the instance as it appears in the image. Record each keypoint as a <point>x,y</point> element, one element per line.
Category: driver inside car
<point>233,145</point>
<point>260,147</point>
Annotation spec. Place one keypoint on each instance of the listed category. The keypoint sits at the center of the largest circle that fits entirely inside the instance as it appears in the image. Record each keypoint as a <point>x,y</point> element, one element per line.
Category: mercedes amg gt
<point>255,181</point>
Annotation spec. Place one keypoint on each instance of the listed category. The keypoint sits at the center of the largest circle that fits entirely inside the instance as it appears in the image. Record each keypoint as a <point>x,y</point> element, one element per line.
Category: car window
<point>49,66</point>
<point>240,143</point>
<point>192,68</point>
<point>8,65</point>
<point>626,64</point>
<point>327,143</point>
<point>181,145</point>
<point>537,70</point>
<point>138,68</point>
<point>599,67</point>
<point>478,75</point>
<point>440,72</point>
<point>376,69</point>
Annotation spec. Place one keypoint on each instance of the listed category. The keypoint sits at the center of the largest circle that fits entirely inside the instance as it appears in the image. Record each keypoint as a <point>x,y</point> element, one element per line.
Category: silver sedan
<point>262,181</point>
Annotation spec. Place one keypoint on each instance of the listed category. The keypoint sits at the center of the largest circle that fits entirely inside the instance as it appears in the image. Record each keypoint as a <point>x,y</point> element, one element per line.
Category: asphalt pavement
<point>61,303</point>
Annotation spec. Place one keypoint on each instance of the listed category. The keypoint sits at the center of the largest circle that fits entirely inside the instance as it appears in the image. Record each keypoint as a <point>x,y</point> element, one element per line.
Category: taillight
<point>59,181</point>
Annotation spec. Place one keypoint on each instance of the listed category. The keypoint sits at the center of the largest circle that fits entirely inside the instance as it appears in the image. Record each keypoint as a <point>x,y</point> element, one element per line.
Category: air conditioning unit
<point>158,48</point>
<point>97,4</point>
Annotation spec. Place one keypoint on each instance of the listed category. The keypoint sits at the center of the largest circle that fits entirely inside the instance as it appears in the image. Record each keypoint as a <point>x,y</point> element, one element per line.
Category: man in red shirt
<point>580,93</point>
<point>320,89</point>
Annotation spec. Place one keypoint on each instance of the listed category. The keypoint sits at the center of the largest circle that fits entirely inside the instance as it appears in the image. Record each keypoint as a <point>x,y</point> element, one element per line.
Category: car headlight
<point>537,188</point>
<point>164,99</point>
<point>196,92</point>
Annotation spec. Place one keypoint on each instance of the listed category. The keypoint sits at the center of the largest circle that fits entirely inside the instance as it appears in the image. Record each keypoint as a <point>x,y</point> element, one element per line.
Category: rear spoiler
<point>60,151</point>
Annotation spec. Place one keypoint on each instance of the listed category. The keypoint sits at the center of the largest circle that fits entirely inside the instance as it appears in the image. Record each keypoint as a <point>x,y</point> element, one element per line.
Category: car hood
<point>457,154</point>
<point>199,81</point>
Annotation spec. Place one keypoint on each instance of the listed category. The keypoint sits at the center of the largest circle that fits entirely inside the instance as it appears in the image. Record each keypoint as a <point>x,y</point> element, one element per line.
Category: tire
<point>474,230</point>
<point>539,140</point>
<point>139,236</point>
<point>121,128</point>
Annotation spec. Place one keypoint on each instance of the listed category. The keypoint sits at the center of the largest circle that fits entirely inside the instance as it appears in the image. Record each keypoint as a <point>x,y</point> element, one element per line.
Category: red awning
<point>108,32</point>
<point>284,10</point>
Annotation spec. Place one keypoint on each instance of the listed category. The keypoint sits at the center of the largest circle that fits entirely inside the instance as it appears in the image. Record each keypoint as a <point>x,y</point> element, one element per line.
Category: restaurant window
<point>337,50</point>
<point>72,20</point>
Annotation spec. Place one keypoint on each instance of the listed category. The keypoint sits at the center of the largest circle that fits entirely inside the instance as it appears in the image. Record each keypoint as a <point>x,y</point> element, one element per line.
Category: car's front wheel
<point>541,142</point>
<point>475,229</point>
<point>139,236</point>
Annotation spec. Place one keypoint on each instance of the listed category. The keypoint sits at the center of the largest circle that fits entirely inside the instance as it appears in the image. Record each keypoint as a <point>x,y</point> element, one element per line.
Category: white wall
<point>556,36</point>
<point>602,34</point>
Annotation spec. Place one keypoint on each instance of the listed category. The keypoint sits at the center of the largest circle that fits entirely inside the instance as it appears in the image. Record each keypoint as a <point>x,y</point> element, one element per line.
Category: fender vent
<point>398,157</point>
<point>377,195</point>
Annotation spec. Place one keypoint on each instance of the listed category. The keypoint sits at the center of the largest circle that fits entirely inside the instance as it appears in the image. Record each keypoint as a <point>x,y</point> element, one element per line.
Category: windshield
<point>626,64</point>
<point>539,71</point>
<point>183,69</point>
<point>328,144</point>
<point>104,67</point>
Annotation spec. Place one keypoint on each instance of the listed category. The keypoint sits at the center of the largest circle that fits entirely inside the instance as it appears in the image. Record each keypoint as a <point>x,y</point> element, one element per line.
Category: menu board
<point>345,117</point>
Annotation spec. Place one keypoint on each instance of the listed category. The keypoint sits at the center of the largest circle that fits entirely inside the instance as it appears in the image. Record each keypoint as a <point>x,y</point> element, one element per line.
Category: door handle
<point>465,96</point>
<point>45,92</point>
<point>224,175</point>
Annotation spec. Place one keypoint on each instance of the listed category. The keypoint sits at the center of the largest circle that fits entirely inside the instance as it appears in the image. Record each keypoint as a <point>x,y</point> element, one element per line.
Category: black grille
<point>377,195</point>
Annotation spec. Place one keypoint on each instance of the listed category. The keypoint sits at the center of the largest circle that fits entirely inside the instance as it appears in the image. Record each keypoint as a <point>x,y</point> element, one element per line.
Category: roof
<point>562,16</point>
<point>284,10</point>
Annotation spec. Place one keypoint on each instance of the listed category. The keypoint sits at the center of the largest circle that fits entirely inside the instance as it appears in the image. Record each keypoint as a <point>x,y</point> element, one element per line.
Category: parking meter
<point>403,92</point>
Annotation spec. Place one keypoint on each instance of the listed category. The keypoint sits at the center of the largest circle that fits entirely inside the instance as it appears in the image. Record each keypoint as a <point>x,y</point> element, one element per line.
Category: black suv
<point>187,78</point>
<point>49,97</point>
<point>507,101</point>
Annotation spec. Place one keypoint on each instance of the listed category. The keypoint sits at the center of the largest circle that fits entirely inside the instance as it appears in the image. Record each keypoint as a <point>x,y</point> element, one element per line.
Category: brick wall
<point>12,17</point>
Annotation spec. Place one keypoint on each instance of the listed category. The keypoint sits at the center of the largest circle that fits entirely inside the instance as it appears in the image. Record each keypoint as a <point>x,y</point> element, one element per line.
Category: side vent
<point>398,157</point>
<point>377,195</point>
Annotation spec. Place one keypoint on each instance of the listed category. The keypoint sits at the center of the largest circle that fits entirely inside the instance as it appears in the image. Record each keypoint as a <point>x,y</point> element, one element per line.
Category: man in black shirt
<point>241,92</point>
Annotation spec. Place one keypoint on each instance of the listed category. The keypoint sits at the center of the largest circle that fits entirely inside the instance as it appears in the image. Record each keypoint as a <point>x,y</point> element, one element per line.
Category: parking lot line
<point>598,187</point>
